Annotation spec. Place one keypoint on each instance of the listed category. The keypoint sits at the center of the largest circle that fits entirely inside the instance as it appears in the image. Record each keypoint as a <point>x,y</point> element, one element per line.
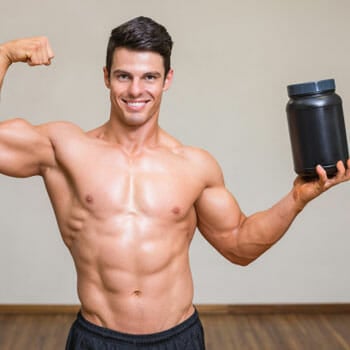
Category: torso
<point>128,221</point>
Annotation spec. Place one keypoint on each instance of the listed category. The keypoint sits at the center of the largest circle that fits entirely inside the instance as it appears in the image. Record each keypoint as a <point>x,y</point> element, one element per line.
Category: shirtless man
<point>128,198</point>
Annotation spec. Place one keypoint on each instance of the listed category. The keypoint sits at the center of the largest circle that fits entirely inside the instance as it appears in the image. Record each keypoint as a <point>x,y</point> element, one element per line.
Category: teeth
<point>136,104</point>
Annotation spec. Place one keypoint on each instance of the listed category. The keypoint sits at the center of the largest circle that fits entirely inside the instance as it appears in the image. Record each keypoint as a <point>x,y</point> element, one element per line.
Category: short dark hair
<point>140,34</point>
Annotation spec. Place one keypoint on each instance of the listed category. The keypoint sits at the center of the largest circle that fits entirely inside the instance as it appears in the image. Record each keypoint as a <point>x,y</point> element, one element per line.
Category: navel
<point>137,293</point>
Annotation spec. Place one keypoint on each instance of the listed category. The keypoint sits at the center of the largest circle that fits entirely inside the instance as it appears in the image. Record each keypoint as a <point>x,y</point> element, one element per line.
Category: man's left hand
<point>305,191</point>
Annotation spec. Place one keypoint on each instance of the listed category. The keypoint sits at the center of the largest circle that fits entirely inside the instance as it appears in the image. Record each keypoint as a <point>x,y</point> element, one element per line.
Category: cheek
<point>116,92</point>
<point>156,92</point>
<point>114,97</point>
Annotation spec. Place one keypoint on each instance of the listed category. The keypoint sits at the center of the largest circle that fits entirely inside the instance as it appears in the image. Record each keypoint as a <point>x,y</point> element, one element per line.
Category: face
<point>136,85</point>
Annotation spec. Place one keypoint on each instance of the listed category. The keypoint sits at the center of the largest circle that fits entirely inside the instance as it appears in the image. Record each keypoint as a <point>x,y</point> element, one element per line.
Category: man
<point>128,198</point>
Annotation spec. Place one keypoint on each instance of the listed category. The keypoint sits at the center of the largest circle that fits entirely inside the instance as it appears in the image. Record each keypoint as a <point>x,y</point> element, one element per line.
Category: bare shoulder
<point>191,153</point>
<point>205,163</point>
<point>197,154</point>
<point>63,134</point>
<point>197,159</point>
<point>59,128</point>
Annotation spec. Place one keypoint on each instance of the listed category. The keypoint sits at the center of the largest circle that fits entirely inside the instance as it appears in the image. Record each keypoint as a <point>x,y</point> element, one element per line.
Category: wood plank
<point>277,331</point>
<point>228,309</point>
<point>273,309</point>
<point>287,331</point>
<point>41,309</point>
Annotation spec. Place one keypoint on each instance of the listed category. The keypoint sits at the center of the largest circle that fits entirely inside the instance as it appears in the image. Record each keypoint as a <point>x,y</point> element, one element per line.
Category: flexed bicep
<point>25,150</point>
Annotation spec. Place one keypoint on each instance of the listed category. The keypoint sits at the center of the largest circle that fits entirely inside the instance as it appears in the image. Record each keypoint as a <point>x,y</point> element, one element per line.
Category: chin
<point>136,120</point>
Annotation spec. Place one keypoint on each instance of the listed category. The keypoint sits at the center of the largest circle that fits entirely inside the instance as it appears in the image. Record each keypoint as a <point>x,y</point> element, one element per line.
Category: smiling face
<point>136,84</point>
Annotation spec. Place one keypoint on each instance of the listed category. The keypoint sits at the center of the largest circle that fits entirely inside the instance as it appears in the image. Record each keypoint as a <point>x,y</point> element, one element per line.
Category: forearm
<point>4,64</point>
<point>260,231</point>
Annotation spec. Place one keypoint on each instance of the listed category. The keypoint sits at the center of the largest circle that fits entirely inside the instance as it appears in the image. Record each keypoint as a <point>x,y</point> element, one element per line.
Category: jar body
<point>317,132</point>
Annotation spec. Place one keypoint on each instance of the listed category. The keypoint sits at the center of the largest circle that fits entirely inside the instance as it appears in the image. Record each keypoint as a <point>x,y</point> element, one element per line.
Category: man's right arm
<point>25,150</point>
<point>4,65</point>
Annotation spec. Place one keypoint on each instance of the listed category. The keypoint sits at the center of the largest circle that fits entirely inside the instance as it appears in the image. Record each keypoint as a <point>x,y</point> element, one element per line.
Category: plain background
<point>232,61</point>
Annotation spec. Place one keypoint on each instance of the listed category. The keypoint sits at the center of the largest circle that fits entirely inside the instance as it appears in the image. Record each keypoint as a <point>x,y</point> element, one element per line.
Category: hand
<point>305,191</point>
<point>34,51</point>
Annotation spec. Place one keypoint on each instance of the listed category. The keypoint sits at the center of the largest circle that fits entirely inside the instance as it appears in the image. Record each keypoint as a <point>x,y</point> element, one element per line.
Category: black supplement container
<point>316,127</point>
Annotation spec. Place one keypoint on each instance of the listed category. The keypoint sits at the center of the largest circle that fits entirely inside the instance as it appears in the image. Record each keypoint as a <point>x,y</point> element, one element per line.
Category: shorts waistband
<point>137,338</point>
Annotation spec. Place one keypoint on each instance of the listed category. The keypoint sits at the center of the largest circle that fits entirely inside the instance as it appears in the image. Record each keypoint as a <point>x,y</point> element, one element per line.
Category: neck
<point>132,139</point>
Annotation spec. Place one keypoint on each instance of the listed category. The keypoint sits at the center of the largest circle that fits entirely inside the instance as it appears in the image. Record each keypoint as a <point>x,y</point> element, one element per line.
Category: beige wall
<point>233,60</point>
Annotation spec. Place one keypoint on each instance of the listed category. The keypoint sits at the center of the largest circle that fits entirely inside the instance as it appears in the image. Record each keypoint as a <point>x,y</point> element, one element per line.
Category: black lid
<point>312,87</point>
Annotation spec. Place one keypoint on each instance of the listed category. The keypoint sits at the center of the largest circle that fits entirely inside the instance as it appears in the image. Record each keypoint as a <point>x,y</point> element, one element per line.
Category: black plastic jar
<point>316,127</point>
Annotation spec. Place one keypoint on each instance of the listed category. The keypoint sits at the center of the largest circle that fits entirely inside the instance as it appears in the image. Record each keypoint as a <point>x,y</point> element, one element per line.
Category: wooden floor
<point>223,332</point>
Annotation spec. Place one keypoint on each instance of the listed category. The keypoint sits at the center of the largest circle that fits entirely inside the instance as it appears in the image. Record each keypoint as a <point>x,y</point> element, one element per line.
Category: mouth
<point>135,105</point>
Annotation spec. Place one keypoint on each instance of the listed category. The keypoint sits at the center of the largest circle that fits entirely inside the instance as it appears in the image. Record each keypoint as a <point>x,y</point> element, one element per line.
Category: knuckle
<point>44,40</point>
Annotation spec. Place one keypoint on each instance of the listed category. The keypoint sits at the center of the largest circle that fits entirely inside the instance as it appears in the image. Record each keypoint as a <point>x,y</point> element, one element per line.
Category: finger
<point>341,168</point>
<point>339,176</point>
<point>39,58</point>
<point>30,59</point>
<point>48,62</point>
<point>33,58</point>
<point>43,57</point>
<point>347,170</point>
<point>322,174</point>
<point>39,52</point>
<point>33,55</point>
<point>50,52</point>
<point>47,52</point>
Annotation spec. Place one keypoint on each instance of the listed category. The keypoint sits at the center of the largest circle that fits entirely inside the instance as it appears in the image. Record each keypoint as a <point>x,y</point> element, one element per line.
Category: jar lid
<point>312,87</point>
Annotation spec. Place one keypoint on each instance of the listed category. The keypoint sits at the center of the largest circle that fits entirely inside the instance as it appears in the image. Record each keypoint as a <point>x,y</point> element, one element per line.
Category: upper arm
<point>25,150</point>
<point>219,216</point>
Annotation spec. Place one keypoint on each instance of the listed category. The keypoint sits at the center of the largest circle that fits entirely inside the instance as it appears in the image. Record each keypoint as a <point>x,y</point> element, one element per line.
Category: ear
<point>168,79</point>
<point>106,78</point>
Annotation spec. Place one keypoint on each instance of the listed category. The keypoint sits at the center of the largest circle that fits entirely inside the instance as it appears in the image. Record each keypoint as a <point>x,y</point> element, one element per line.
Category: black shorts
<point>84,335</point>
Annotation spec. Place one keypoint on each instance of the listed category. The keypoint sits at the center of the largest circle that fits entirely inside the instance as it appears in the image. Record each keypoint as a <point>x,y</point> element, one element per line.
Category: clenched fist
<point>34,51</point>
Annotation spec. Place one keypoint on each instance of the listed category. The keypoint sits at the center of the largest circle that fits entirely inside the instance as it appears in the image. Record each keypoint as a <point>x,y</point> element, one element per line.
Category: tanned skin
<point>128,196</point>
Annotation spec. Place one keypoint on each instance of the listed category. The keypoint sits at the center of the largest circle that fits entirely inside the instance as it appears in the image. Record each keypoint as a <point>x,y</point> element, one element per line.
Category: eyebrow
<point>155,73</point>
<point>121,71</point>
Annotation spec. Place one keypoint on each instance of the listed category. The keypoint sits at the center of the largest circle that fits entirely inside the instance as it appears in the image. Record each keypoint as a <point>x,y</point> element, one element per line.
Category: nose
<point>135,88</point>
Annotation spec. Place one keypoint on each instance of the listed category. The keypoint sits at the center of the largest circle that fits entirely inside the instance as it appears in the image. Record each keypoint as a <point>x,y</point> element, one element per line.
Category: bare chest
<point>150,185</point>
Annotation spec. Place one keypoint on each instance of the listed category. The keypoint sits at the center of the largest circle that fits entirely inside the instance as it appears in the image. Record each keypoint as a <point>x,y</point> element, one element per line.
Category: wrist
<point>297,199</point>
<point>4,58</point>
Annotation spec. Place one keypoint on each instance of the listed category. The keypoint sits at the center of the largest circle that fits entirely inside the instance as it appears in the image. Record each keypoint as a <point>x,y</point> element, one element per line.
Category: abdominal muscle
<point>133,272</point>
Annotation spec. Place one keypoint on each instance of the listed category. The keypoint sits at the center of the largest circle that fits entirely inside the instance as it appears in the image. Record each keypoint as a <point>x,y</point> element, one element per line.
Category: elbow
<point>246,249</point>
<point>241,261</point>
<point>244,262</point>
<point>240,257</point>
<point>242,253</point>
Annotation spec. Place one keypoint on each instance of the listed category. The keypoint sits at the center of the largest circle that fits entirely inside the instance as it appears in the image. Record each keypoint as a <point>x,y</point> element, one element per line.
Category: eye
<point>123,77</point>
<point>150,77</point>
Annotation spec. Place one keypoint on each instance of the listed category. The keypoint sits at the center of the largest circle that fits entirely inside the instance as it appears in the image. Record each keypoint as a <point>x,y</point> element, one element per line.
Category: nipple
<point>89,198</point>
<point>176,210</point>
